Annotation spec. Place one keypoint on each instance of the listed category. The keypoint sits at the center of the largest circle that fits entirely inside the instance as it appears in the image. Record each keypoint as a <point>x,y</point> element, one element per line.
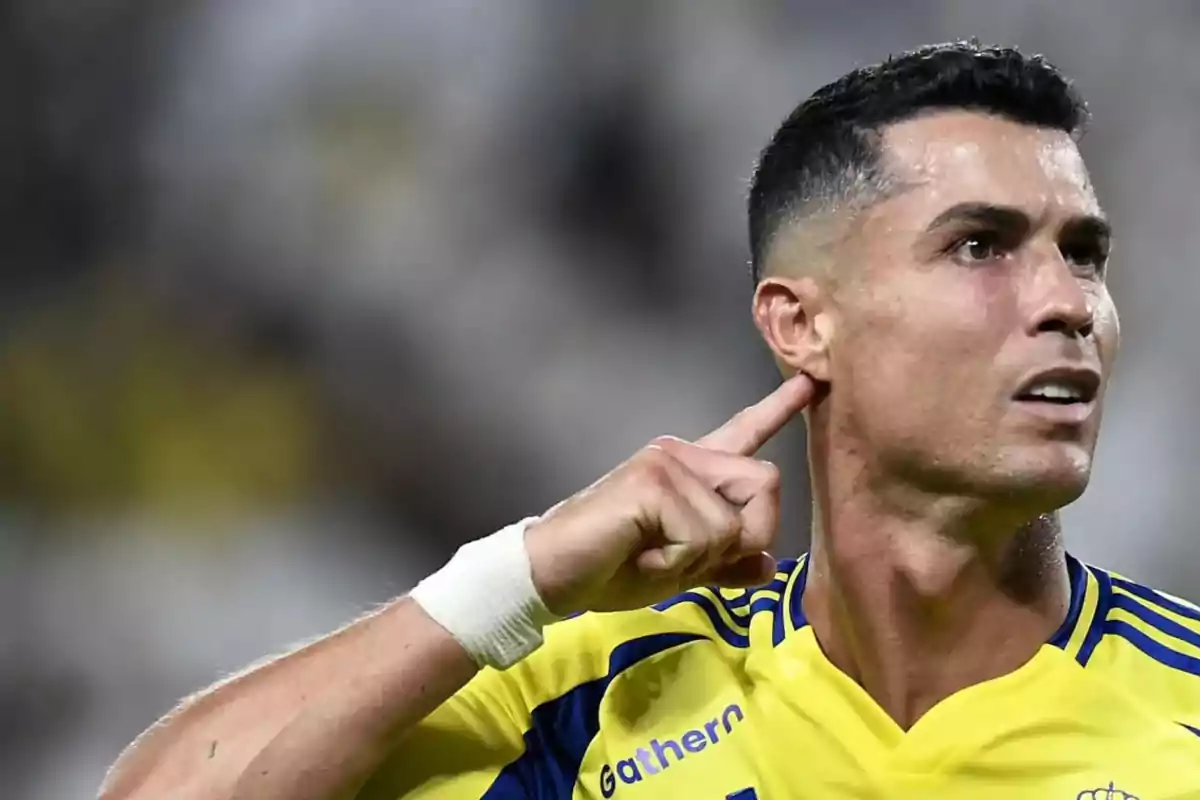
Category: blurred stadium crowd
<point>298,295</point>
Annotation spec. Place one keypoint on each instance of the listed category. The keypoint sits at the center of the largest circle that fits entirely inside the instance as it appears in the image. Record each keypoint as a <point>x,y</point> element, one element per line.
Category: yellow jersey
<point>725,695</point>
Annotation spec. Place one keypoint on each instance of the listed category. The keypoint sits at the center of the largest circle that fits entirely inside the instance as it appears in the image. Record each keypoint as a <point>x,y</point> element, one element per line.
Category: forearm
<point>309,726</point>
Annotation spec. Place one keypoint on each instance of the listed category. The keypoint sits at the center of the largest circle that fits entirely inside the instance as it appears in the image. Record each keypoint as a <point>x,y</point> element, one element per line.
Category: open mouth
<point>1063,386</point>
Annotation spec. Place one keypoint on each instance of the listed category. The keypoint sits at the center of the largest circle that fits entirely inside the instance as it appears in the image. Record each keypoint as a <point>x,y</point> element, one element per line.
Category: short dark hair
<point>834,137</point>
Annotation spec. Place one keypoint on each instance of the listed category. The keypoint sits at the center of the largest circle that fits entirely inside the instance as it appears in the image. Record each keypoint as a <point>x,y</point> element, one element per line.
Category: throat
<point>913,626</point>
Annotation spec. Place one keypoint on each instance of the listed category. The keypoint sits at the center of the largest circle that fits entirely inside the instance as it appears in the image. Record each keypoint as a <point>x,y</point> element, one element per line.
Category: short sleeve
<point>523,732</point>
<point>460,749</point>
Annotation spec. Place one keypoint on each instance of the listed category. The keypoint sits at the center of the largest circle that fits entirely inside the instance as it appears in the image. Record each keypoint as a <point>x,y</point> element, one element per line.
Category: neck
<point>917,606</point>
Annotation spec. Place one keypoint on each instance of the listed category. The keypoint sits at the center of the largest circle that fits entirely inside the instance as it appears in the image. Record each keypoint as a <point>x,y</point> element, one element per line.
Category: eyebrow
<point>1011,218</point>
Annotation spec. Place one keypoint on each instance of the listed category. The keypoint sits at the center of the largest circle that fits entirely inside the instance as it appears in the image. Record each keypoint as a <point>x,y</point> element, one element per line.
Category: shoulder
<point>744,618</point>
<point>593,649</point>
<point>1149,640</point>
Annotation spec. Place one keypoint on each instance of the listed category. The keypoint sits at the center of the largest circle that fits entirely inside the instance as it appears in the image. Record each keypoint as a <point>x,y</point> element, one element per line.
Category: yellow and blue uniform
<point>725,695</point>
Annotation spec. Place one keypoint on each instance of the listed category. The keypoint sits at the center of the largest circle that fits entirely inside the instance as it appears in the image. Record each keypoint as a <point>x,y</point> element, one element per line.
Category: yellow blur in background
<point>296,297</point>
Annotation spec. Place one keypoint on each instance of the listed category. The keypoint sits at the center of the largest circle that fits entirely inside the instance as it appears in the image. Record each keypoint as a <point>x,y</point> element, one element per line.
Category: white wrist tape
<point>486,599</point>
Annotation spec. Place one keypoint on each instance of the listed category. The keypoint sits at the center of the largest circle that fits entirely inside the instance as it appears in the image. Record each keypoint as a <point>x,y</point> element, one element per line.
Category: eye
<point>1088,258</point>
<point>979,248</point>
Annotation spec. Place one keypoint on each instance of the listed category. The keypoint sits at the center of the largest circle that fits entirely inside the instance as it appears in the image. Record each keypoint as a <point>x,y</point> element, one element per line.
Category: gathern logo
<point>659,755</point>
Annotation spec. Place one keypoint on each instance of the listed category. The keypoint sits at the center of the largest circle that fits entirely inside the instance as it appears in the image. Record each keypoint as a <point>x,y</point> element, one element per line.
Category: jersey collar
<point>1077,635</point>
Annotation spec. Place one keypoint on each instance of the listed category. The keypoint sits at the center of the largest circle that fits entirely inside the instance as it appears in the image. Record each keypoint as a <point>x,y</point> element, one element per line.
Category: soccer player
<point>930,261</point>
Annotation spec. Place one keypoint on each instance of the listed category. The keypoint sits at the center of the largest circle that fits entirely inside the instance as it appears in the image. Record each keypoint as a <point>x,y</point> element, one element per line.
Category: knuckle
<point>655,451</point>
<point>761,536</point>
<point>728,527</point>
<point>762,526</point>
<point>771,476</point>
<point>654,467</point>
<point>665,442</point>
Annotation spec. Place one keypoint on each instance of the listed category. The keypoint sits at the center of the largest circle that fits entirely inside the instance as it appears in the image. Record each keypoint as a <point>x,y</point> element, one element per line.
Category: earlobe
<point>790,315</point>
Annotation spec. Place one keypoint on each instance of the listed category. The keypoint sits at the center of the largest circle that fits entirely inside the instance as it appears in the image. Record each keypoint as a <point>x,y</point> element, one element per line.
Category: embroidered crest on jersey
<point>1109,792</point>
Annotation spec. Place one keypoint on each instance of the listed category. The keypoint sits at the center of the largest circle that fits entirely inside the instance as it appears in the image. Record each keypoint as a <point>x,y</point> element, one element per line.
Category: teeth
<point>1055,391</point>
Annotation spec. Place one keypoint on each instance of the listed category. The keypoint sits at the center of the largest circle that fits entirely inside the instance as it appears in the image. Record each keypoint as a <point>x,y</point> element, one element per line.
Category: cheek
<point>888,361</point>
<point>931,327</point>
<point>920,357</point>
<point>876,337</point>
<point>1107,324</point>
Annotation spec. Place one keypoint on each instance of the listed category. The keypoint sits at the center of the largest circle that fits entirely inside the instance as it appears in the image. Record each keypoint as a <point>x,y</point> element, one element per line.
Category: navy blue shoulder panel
<point>562,729</point>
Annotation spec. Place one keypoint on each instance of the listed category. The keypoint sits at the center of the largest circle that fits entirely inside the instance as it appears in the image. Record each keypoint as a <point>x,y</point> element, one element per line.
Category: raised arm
<point>317,723</point>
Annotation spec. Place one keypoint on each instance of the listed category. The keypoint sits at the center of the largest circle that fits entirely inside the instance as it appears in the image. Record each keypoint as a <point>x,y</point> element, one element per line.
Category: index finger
<point>752,427</point>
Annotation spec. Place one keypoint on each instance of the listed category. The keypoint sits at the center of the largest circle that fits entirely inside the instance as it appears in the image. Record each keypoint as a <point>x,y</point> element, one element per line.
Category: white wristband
<point>486,599</point>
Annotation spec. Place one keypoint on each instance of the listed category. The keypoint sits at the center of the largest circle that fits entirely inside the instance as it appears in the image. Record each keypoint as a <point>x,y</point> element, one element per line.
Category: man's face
<point>975,333</point>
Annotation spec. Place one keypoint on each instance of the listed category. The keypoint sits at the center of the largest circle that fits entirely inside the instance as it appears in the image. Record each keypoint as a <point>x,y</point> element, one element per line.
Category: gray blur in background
<point>299,295</point>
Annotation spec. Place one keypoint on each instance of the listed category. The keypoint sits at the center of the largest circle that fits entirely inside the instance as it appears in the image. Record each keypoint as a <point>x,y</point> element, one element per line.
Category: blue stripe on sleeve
<point>1190,728</point>
<point>562,729</point>
<point>763,604</point>
<point>709,607</point>
<point>1096,629</point>
<point>1155,620</point>
<point>1159,652</point>
<point>741,609</point>
<point>1157,598</point>
<point>776,585</point>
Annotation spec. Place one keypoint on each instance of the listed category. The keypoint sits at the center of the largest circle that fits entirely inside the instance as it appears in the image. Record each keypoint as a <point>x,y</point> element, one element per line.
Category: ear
<point>793,317</point>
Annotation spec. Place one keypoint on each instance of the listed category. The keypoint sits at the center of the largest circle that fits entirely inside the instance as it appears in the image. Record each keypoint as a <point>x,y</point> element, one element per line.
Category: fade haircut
<point>828,153</point>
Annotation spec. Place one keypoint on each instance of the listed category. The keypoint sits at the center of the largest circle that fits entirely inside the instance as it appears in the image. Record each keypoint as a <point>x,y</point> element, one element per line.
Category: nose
<point>1059,301</point>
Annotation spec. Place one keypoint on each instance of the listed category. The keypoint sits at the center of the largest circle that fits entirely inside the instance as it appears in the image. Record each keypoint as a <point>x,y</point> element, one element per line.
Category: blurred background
<point>299,295</point>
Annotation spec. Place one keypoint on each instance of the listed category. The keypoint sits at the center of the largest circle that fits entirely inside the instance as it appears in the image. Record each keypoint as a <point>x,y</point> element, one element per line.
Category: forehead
<point>952,157</point>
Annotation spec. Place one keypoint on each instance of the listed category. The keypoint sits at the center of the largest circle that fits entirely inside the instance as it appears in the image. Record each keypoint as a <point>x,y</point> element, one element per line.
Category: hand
<point>675,515</point>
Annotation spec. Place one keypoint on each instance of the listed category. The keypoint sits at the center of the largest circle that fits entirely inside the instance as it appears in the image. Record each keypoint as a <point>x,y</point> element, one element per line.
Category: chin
<point>1044,481</point>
